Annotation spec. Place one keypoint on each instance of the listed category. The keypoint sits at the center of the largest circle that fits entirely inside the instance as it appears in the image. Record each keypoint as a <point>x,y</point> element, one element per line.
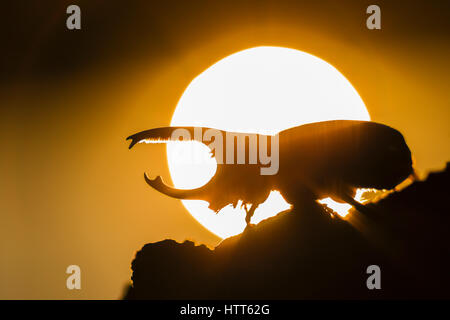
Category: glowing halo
<point>263,90</point>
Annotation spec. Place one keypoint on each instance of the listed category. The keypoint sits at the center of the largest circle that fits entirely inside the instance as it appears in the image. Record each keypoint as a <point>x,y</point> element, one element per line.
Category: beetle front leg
<point>249,213</point>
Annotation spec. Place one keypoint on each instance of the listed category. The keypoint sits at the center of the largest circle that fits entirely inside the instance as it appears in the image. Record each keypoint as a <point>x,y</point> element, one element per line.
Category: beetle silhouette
<point>316,160</point>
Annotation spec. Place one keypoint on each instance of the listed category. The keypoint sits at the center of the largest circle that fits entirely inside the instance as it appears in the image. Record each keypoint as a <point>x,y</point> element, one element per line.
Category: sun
<point>261,90</point>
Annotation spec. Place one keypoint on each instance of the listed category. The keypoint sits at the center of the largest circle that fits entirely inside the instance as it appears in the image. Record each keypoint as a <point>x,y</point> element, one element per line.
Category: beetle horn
<point>165,134</point>
<point>160,186</point>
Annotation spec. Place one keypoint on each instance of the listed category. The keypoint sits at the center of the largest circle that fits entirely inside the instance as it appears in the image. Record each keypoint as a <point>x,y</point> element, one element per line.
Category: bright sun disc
<point>261,90</point>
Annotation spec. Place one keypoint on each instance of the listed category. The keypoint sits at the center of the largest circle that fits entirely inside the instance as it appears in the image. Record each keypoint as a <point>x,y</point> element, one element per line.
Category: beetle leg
<point>250,213</point>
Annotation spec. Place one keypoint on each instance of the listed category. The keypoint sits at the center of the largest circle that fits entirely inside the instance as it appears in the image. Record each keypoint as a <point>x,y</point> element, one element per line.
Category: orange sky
<point>72,192</point>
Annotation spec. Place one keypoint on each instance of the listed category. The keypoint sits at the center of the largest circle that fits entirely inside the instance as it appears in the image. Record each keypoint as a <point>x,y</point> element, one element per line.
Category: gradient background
<point>71,191</point>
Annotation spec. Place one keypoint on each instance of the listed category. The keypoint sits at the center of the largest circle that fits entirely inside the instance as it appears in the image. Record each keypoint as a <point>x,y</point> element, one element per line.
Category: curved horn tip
<point>157,179</point>
<point>146,177</point>
<point>133,142</point>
